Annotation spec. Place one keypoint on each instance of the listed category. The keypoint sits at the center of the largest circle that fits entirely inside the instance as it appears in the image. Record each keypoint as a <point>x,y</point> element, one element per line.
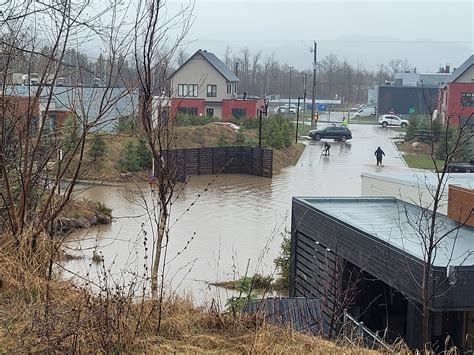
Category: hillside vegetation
<point>124,152</point>
<point>45,314</point>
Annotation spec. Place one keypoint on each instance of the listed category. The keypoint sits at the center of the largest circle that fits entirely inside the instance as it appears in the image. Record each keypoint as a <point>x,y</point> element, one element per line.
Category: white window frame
<point>209,90</point>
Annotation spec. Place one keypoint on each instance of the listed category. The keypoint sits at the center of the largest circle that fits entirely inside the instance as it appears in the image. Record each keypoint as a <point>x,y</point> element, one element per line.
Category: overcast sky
<point>427,33</point>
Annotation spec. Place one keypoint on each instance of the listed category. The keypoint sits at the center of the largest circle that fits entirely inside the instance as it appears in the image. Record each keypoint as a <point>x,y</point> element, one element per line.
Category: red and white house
<point>203,85</point>
<point>456,103</point>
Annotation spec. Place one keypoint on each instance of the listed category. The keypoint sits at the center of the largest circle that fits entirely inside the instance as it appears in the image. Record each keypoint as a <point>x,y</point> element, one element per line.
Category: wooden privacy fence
<point>221,160</point>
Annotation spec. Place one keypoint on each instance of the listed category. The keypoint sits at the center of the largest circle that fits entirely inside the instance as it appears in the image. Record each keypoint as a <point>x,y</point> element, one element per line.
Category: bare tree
<point>255,68</point>
<point>245,61</point>
<point>228,57</point>
<point>406,66</point>
<point>153,51</point>
<point>181,57</point>
<point>431,231</point>
<point>31,138</point>
<point>394,65</point>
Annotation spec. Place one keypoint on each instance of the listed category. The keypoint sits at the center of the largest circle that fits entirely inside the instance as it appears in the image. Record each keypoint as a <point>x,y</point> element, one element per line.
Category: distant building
<point>406,100</point>
<point>456,103</point>
<point>203,85</point>
<point>410,93</point>
<point>26,112</point>
<point>421,79</point>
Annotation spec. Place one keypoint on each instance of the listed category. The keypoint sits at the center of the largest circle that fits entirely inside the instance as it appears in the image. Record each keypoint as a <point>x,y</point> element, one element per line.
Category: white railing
<point>355,331</point>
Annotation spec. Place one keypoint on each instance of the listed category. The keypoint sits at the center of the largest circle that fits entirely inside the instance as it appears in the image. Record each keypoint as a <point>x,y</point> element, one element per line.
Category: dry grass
<point>59,317</point>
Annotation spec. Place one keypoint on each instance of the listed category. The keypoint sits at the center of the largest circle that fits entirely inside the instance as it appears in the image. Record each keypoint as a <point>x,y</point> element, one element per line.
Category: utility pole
<point>297,119</point>
<point>304,97</point>
<point>314,80</point>
<point>289,93</point>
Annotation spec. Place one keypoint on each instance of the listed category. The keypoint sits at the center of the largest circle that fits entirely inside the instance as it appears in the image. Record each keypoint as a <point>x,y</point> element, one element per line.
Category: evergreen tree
<point>70,134</point>
<point>129,161</point>
<point>143,153</point>
<point>98,148</point>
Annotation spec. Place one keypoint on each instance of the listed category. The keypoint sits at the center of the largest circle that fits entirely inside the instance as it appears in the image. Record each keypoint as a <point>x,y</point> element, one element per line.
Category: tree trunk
<point>156,261</point>
<point>426,301</point>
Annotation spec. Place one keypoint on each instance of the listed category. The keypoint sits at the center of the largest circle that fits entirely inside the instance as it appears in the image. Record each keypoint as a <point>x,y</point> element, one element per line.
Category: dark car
<point>338,133</point>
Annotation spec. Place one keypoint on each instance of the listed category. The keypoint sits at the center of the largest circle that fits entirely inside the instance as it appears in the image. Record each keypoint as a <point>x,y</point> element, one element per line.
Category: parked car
<point>284,109</point>
<point>228,125</point>
<point>366,111</point>
<point>337,133</point>
<point>392,120</point>
<point>359,107</point>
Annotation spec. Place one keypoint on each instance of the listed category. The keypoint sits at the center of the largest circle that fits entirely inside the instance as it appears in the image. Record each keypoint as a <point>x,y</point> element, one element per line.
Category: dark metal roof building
<point>381,237</point>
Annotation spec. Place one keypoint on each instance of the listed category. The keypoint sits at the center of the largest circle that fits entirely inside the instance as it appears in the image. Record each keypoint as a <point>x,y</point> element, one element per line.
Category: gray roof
<point>215,62</point>
<point>386,219</point>
<point>458,72</point>
<point>424,179</point>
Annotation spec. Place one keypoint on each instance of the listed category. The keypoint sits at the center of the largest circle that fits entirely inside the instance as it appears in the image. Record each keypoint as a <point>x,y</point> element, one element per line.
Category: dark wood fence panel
<point>221,160</point>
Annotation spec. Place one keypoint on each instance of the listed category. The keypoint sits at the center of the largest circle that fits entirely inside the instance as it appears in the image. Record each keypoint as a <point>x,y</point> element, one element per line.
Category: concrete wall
<point>199,71</point>
<point>461,202</point>
<point>418,195</point>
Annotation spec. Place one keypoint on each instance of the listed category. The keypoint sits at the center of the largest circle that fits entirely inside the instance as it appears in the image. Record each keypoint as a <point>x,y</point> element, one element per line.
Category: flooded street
<point>239,218</point>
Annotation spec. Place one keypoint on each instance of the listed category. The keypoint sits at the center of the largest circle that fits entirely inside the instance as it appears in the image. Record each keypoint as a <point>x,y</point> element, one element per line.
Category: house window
<point>211,90</point>
<point>229,89</point>
<point>187,90</point>
<point>239,112</point>
<point>192,90</point>
<point>467,99</point>
<point>209,112</point>
<point>235,88</point>
<point>182,90</point>
<point>191,111</point>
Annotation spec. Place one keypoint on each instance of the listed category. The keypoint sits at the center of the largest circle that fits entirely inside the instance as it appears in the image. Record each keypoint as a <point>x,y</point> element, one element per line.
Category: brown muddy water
<point>237,222</point>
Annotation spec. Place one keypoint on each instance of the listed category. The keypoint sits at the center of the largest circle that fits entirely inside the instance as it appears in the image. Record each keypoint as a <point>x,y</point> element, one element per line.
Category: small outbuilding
<point>366,255</point>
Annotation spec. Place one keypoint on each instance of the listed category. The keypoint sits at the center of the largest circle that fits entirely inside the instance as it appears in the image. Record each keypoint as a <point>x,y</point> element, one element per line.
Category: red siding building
<point>241,108</point>
<point>457,94</point>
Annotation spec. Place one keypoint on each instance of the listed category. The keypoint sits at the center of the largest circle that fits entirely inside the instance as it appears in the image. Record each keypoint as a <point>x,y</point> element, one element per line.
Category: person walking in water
<point>345,122</point>
<point>379,153</point>
<point>326,147</point>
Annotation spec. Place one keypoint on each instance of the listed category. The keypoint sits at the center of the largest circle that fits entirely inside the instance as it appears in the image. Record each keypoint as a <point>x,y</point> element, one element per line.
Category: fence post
<point>361,329</point>
<point>213,151</point>
<point>199,161</point>
<point>251,160</point>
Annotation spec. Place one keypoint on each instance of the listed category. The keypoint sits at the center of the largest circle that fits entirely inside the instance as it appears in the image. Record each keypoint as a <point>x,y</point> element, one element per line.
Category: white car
<point>284,109</point>
<point>366,111</point>
<point>228,125</point>
<point>392,120</point>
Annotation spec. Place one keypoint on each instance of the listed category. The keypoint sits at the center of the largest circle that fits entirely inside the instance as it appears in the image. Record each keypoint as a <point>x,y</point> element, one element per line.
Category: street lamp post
<point>261,112</point>
<point>289,93</point>
<point>297,119</point>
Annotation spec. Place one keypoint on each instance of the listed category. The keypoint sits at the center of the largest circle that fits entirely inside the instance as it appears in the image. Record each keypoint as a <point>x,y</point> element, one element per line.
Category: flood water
<point>238,220</point>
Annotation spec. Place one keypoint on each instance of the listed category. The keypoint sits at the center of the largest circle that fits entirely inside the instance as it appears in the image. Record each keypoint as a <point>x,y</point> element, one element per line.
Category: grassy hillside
<point>210,135</point>
<point>38,314</point>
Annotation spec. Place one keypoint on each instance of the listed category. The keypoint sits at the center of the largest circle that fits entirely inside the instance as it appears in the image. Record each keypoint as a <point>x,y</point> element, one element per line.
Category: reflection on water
<point>239,218</point>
